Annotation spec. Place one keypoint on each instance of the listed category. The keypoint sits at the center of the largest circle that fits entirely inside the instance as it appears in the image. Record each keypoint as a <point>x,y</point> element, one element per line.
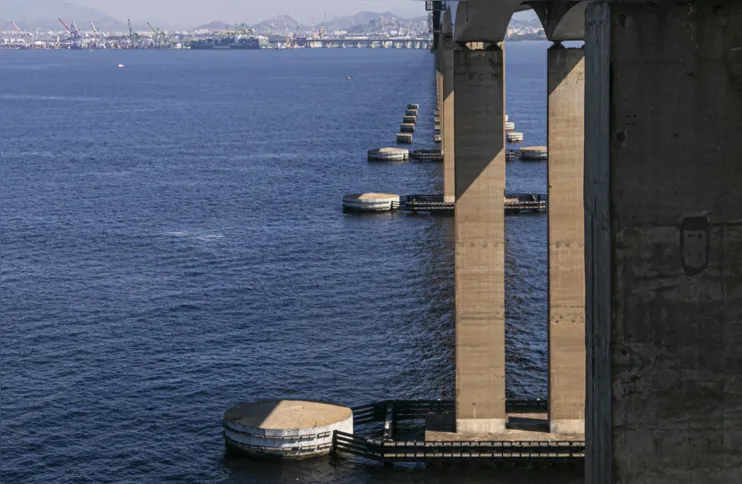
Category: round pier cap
<point>285,429</point>
<point>514,136</point>
<point>370,202</point>
<point>388,154</point>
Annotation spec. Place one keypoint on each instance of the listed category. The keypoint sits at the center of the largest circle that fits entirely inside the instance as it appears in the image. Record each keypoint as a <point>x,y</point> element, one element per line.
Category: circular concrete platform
<point>514,136</point>
<point>370,202</point>
<point>286,429</point>
<point>388,154</point>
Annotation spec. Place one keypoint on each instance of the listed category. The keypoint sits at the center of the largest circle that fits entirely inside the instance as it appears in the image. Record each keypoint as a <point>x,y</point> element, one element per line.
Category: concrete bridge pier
<point>566,239</point>
<point>447,111</point>
<point>663,171</point>
<point>480,240</point>
<point>479,115</point>
<point>566,229</point>
<point>439,77</point>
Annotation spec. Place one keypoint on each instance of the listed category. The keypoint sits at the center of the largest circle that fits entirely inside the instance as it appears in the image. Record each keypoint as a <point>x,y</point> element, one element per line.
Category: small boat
<point>347,78</point>
<point>120,66</point>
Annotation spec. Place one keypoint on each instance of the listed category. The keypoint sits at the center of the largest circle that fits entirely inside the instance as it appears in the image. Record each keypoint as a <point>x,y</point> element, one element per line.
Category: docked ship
<point>225,43</point>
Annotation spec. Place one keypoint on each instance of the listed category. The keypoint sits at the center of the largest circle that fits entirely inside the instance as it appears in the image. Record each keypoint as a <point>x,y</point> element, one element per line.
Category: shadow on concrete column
<point>447,122</point>
<point>479,83</point>
<point>566,236</point>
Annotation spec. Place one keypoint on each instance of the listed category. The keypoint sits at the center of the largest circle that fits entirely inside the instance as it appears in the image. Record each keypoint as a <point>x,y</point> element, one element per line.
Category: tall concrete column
<point>663,171</point>
<point>447,122</point>
<point>439,61</point>
<point>566,235</point>
<point>480,225</point>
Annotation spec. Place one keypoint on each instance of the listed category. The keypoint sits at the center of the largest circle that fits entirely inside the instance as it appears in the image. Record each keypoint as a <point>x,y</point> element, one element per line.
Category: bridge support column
<point>480,256</point>
<point>439,81</point>
<point>447,122</point>
<point>664,242</point>
<point>566,235</point>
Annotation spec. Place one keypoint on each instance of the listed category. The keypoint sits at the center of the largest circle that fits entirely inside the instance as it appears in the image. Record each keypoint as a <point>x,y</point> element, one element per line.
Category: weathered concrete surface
<point>480,255</point>
<point>520,427</point>
<point>289,429</point>
<point>566,236</point>
<point>484,20</point>
<point>447,122</point>
<point>562,20</point>
<point>664,243</point>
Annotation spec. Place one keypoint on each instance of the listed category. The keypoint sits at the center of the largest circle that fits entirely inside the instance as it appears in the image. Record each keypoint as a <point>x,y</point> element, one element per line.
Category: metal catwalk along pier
<point>377,426</point>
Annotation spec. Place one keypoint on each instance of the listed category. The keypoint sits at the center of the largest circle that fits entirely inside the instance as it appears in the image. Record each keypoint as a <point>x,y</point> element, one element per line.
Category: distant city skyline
<point>174,13</point>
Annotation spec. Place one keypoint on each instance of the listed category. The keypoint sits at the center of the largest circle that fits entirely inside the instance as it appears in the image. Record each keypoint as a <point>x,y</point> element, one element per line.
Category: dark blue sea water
<point>172,243</point>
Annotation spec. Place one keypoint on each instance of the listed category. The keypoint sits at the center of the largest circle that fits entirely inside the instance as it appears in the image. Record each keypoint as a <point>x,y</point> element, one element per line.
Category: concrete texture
<point>562,20</point>
<point>484,20</point>
<point>285,428</point>
<point>447,121</point>
<point>388,154</point>
<point>664,243</point>
<point>480,222</point>
<point>370,202</point>
<point>566,238</point>
<point>520,427</point>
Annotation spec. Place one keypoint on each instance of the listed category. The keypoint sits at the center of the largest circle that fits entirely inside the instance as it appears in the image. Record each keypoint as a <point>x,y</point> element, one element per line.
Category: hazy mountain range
<point>357,22</point>
<point>32,15</point>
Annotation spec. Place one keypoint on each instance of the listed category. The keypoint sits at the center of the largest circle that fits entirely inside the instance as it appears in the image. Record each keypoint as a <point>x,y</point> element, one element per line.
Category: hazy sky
<point>250,11</point>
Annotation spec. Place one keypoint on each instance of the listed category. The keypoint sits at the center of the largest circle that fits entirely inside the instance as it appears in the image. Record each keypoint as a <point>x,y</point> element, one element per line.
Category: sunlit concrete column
<point>480,184</point>
<point>447,122</point>
<point>663,171</point>
<point>566,236</point>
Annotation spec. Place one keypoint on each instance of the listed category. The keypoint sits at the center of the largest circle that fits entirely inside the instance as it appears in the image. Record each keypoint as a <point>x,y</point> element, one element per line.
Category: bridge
<point>644,230</point>
<point>371,42</point>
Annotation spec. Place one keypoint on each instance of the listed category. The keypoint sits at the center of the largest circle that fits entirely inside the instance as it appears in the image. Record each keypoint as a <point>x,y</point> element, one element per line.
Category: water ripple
<point>177,246</point>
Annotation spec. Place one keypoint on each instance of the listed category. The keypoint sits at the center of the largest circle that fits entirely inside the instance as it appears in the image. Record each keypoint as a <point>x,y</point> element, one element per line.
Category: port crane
<point>18,29</point>
<point>322,28</point>
<point>131,34</point>
<point>73,35</point>
<point>97,35</point>
<point>78,34</point>
<point>157,35</point>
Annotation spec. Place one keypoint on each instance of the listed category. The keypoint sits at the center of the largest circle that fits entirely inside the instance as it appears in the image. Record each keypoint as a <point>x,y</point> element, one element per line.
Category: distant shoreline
<point>526,37</point>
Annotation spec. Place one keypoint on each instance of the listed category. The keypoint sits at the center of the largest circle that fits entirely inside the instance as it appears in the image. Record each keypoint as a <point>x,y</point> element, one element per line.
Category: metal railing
<point>416,451</point>
<point>385,449</point>
<point>514,202</point>
<point>417,409</point>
